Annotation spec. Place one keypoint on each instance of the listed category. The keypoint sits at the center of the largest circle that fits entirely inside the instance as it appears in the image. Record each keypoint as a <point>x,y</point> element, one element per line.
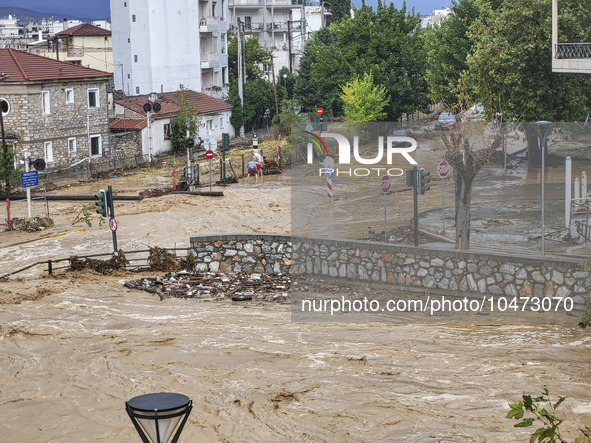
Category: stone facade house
<point>56,110</point>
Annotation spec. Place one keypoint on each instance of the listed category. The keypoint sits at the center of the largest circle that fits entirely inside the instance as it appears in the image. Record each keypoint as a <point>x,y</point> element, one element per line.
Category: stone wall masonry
<point>439,270</point>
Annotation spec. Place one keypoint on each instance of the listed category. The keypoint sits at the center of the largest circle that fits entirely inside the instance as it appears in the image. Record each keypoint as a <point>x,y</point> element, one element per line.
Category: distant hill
<point>25,16</point>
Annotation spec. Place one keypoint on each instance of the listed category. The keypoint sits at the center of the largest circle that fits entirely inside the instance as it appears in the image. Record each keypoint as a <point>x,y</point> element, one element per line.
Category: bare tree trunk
<point>463,197</point>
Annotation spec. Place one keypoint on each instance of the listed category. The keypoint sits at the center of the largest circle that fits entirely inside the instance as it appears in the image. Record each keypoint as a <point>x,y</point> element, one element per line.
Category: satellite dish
<point>147,107</point>
<point>157,107</point>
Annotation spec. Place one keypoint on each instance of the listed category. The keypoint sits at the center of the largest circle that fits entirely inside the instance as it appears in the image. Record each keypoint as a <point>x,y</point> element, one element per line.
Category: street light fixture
<point>285,80</point>
<point>159,418</point>
<point>544,127</point>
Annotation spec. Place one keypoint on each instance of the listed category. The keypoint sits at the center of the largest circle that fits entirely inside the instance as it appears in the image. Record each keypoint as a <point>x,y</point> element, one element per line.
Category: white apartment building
<point>9,26</point>
<point>436,17</point>
<point>160,44</point>
<point>568,57</point>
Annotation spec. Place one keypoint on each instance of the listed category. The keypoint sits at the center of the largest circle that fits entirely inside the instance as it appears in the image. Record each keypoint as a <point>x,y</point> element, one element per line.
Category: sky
<point>100,8</point>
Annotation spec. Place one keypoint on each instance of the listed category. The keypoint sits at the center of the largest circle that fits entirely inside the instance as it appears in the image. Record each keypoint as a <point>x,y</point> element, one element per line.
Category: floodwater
<point>72,358</point>
<point>357,206</point>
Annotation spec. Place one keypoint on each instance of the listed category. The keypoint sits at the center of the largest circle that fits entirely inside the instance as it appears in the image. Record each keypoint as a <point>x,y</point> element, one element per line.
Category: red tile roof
<point>85,29</point>
<point>127,124</point>
<point>21,66</point>
<point>170,104</point>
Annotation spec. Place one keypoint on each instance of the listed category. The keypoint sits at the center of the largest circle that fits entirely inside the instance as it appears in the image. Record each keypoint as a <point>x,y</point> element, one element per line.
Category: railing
<point>573,50</point>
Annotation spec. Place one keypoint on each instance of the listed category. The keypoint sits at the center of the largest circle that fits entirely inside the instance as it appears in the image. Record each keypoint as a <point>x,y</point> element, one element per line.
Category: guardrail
<point>135,263</point>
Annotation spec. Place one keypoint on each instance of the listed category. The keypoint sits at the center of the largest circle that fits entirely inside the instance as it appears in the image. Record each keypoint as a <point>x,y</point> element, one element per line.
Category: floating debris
<point>116,263</point>
<point>239,286</point>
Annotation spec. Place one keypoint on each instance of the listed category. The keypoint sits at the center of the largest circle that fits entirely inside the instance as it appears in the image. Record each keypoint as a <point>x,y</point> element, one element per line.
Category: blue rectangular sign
<point>29,179</point>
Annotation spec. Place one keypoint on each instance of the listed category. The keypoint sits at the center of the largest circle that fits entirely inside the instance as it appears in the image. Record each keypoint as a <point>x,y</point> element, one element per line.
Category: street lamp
<point>159,418</point>
<point>544,126</point>
<point>285,81</point>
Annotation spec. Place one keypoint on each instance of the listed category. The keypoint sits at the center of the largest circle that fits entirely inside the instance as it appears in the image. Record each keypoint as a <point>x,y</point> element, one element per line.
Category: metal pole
<point>210,175</point>
<point>385,221</point>
<point>189,175</point>
<point>543,206</point>
<point>27,167</point>
<point>112,214</point>
<point>416,206</point>
<point>443,202</point>
<point>567,192</point>
<point>240,73</point>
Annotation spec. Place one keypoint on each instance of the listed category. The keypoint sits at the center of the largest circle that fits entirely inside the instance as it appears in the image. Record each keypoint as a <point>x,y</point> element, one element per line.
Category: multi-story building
<point>9,27</point>
<point>568,57</point>
<point>280,26</point>
<point>159,45</point>
<point>84,45</point>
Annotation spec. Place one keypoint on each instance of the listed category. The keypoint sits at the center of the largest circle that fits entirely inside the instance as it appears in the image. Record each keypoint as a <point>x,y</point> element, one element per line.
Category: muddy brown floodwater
<point>76,346</point>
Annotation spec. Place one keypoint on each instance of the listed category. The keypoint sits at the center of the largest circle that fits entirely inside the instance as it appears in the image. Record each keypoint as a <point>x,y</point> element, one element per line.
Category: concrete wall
<point>446,271</point>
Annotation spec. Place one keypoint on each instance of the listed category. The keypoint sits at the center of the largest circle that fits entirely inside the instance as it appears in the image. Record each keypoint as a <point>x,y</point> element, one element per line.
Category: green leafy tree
<point>8,175</point>
<point>259,99</point>
<point>339,9</point>
<point>187,118</point>
<point>447,46</point>
<point>255,56</point>
<point>364,100</point>
<point>510,68</point>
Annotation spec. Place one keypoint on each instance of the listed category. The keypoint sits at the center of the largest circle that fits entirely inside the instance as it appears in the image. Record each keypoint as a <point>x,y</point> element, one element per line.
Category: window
<point>137,89</point>
<point>221,122</point>
<point>96,145</point>
<point>135,58</point>
<point>45,102</point>
<point>69,96</point>
<point>93,98</point>
<point>133,18</point>
<point>72,145</point>
<point>215,45</point>
<point>209,125</point>
<point>166,131</point>
<point>5,106</point>
<point>125,4</point>
<point>48,151</point>
<point>129,40</point>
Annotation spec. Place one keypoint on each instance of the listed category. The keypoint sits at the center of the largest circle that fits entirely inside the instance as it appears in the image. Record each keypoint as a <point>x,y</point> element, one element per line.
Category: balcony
<point>568,57</point>
<point>210,60</point>
<point>247,3</point>
<point>212,24</point>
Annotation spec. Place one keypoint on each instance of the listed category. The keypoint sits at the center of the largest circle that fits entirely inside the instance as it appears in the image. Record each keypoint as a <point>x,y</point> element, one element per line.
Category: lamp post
<point>544,126</point>
<point>285,81</point>
<point>159,418</point>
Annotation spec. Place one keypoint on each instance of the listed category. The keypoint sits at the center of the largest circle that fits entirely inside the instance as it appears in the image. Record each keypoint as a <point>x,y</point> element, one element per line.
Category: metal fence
<point>137,261</point>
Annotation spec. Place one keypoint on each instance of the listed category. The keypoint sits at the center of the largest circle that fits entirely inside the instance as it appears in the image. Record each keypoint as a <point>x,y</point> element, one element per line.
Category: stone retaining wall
<point>441,270</point>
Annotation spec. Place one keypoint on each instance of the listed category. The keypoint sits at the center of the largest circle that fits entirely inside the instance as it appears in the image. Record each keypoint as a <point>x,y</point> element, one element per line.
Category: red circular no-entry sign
<point>385,184</point>
<point>209,154</point>
<point>319,111</point>
<point>113,224</point>
<point>443,169</point>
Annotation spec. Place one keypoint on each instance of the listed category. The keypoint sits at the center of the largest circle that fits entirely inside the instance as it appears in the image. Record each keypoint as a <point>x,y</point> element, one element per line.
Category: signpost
<point>443,171</point>
<point>209,155</point>
<point>328,163</point>
<point>385,184</point>
<point>29,179</point>
<point>319,111</point>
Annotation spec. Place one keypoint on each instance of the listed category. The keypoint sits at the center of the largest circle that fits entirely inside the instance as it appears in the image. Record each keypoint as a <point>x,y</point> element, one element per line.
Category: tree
<point>510,68</point>
<point>255,56</point>
<point>8,174</point>
<point>468,154</point>
<point>447,46</point>
<point>186,119</point>
<point>339,9</point>
<point>364,101</point>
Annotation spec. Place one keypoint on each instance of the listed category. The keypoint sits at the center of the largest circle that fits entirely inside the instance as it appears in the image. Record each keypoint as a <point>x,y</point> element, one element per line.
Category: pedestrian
<point>253,170</point>
<point>260,162</point>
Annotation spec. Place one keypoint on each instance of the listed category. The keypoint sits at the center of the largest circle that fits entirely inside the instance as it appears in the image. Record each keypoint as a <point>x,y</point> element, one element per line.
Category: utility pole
<point>275,89</point>
<point>240,73</point>
<point>289,44</point>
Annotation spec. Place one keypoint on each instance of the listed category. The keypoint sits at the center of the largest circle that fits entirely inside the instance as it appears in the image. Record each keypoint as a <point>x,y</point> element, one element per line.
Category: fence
<point>17,209</point>
<point>138,260</point>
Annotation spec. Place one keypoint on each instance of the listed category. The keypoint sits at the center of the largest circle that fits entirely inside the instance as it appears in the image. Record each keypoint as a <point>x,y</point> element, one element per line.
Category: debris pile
<point>217,286</point>
<point>115,263</point>
<point>160,259</point>
<point>31,224</point>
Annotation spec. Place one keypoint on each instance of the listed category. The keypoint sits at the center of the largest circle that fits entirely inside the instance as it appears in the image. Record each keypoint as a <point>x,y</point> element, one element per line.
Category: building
<point>568,57</point>
<point>280,26</point>
<point>130,116</point>
<point>85,45</point>
<point>436,17</point>
<point>56,110</point>
<point>160,45</point>
<point>9,27</point>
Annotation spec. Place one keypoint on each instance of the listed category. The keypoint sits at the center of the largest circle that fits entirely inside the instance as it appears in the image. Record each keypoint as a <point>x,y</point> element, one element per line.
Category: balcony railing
<point>573,50</point>
<point>269,3</point>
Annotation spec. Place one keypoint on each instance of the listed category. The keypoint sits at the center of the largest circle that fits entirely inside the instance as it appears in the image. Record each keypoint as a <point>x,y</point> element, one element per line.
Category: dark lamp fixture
<point>160,417</point>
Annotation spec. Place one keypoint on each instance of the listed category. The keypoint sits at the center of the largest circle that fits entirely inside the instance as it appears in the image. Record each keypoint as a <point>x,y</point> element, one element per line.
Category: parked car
<point>446,120</point>
<point>405,132</point>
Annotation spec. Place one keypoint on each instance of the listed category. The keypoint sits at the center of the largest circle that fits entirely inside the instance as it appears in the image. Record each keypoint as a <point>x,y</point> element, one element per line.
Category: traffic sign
<point>211,143</point>
<point>209,154</point>
<point>29,179</point>
<point>385,184</point>
<point>113,224</point>
<point>319,111</point>
<point>443,169</point>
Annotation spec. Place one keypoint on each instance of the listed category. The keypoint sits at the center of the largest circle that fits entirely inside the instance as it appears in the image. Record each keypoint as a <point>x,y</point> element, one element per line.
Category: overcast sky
<point>100,8</point>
